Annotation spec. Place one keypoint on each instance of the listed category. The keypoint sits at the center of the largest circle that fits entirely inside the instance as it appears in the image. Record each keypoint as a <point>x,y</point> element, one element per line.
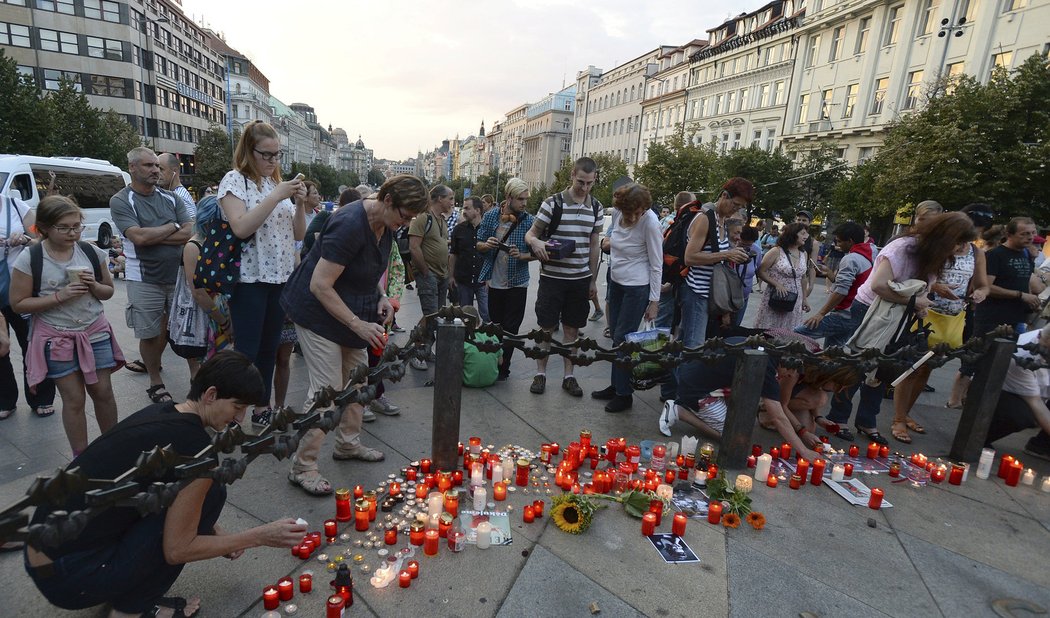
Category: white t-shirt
<point>636,257</point>
<point>270,256</point>
<point>1024,382</point>
<point>19,210</point>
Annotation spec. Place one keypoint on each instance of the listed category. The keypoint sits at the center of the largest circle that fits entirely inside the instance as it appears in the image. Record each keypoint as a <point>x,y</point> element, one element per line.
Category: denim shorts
<point>103,351</point>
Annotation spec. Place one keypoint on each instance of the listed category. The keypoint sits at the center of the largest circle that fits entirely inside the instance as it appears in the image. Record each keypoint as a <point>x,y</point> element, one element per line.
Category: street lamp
<point>143,20</point>
<point>950,28</point>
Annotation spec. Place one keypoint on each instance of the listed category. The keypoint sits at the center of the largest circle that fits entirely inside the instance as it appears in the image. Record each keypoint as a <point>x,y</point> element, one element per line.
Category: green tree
<point>375,178</point>
<point>213,156</point>
<point>536,197</point>
<point>677,165</point>
<point>610,169</point>
<point>23,117</point>
<point>116,138</point>
<point>75,125</point>
<point>816,174</point>
<point>766,170</point>
<point>493,182</point>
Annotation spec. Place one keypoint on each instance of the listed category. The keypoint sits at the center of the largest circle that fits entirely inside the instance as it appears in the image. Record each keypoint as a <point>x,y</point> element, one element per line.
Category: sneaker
<point>668,417</point>
<point>397,328</point>
<point>360,451</point>
<point>262,418</point>
<point>409,286</point>
<point>571,386</point>
<point>620,403</point>
<point>1037,448</point>
<point>605,394</point>
<point>382,405</point>
<point>368,416</point>
<point>418,363</point>
<point>597,315</point>
<point>539,384</point>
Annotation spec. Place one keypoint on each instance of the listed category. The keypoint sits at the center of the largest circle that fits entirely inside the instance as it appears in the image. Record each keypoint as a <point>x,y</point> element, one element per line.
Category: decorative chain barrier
<point>282,436</point>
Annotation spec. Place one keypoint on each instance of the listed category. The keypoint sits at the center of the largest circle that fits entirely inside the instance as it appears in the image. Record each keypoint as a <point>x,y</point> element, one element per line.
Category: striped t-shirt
<point>578,222</point>
<point>699,277</point>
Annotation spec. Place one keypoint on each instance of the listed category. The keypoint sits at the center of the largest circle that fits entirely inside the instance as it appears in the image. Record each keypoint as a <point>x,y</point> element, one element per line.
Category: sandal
<point>6,413</point>
<point>178,604</point>
<point>845,434</point>
<point>311,482</point>
<point>899,431</point>
<point>158,394</point>
<point>914,425</point>
<point>135,366</point>
<point>872,435</point>
<point>953,406</point>
<point>44,411</point>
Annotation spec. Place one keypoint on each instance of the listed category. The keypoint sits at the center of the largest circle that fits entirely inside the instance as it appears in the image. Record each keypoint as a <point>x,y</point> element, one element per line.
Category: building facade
<point>664,104</point>
<point>249,88</point>
<point>548,136</point>
<point>143,59</point>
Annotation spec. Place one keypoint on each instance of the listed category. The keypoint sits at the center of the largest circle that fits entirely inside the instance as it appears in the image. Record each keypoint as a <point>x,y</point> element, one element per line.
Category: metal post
<point>981,401</point>
<point>448,387</point>
<point>743,408</point>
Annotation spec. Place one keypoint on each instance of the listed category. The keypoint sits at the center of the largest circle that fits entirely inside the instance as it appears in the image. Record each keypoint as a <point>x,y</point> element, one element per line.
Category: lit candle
<point>334,607</point>
<point>1029,477</point>
<point>390,535</point>
<point>938,473</point>
<point>521,475</point>
<point>1013,474</point>
<point>873,450</point>
<point>656,507</point>
<point>895,469</point>
<point>484,532</point>
<point>285,588</point>
<point>714,512</point>
<point>499,492</point>
<point>306,582</point>
<point>413,568</point>
<point>700,478</point>
<point>451,502</point>
<point>752,461</point>
<point>875,501</point>
<point>415,533</point>
<point>435,503</point>
<point>762,466</point>
<point>838,471</point>
<point>712,471</point>
<point>430,542</point>
<point>421,491</point>
<point>648,524</point>
<point>956,475</point>
<point>477,475</point>
<point>444,525</point>
<point>1004,465</point>
<point>756,450</point>
<point>774,453</point>
<point>802,469</point>
<point>678,524</point>
<point>372,499</point>
<point>1045,487</point>
<point>424,466</point>
<point>537,508</point>
<point>659,458</point>
<point>331,528</point>
<point>497,471</point>
<point>884,451</point>
<point>271,600</point>
<point>743,483</point>
<point>817,475</point>
<point>771,480</point>
<point>343,510</point>
<point>528,515</point>
<point>475,446</point>
<point>795,482</point>
<point>854,450</point>
<point>847,469</point>
<point>480,497</point>
<point>410,474</point>
<point>785,451</point>
<point>361,515</point>
<point>404,578</point>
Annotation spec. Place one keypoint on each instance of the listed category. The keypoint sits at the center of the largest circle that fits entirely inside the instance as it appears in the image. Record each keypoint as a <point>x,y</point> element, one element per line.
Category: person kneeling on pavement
<point>128,560</point>
<point>1023,401</point>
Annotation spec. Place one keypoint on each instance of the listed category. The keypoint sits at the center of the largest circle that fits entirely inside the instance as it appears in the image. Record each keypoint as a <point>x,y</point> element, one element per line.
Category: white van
<point>91,182</point>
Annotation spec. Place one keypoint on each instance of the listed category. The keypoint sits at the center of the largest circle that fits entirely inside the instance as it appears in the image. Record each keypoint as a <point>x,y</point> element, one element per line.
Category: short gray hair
<point>136,154</point>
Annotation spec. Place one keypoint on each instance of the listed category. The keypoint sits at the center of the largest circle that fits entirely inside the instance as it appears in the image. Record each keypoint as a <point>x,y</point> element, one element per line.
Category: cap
<point>1038,240</point>
<point>807,214</point>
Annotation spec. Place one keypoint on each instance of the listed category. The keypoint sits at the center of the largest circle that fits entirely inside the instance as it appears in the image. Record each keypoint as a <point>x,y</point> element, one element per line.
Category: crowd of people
<point>330,284</point>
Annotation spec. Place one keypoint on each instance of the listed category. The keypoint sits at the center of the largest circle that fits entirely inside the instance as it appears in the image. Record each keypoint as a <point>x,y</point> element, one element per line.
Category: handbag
<point>726,291</point>
<point>945,328</point>
<point>911,332</point>
<point>784,302</point>
<point>219,265</point>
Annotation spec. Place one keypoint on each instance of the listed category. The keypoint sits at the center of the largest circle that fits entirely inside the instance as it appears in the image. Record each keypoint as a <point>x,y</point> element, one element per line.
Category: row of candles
<point>1012,471</point>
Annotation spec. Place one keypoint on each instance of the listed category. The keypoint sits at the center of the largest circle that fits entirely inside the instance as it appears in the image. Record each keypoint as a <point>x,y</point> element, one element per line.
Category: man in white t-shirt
<point>1022,402</point>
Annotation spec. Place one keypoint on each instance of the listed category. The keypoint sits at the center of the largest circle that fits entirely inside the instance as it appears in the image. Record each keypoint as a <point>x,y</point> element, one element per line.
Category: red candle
<point>873,450</point>
<point>817,476</point>
<point>854,450</point>
<point>785,450</point>
<point>648,524</point>
<point>847,469</point>
<point>395,489</point>
<point>714,512</point>
<point>774,453</point>
<point>678,523</point>
<point>1013,474</point>
<point>895,469</point>
<point>424,466</point>
<point>499,492</point>
<point>634,456</point>
<point>334,607</point>
<point>452,502</point>
<point>331,529</point>
<point>751,461</point>
<point>285,588</point>
<point>1004,465</point>
<point>421,491</point>
<point>670,474</point>
<point>304,551</point>
<point>430,542</point>
<point>456,540</point>
<point>884,451</point>
<point>410,474</point>
<point>415,533</point>
<point>528,515</point>
<point>521,472</point>
<point>537,508</point>
<point>712,471</point>
<point>315,536</point>
<point>444,524</point>
<point>404,578</point>
<point>802,469</point>
<point>457,478</point>
<point>555,449</point>
<point>413,568</point>
<point>656,507</point>
<point>306,583</point>
<point>875,501</point>
<point>659,459</point>
<point>295,549</point>
<point>343,510</point>
<point>270,598</point>
<point>593,454</point>
<point>359,492</point>
<point>361,515</point>
<point>475,445</point>
<point>585,439</point>
<point>937,474</point>
<point>771,480</point>
<point>372,499</point>
<point>956,476</point>
<point>390,535</point>
<point>795,482</point>
<point>756,449</point>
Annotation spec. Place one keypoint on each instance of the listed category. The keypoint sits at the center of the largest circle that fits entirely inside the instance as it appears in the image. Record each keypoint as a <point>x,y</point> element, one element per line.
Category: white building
<point>548,136</point>
<point>664,103</point>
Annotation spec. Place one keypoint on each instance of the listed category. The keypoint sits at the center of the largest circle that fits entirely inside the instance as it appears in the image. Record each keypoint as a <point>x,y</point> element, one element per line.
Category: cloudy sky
<point>406,74</point>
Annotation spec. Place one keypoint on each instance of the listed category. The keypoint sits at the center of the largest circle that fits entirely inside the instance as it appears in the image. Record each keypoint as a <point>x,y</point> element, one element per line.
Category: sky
<point>405,74</point>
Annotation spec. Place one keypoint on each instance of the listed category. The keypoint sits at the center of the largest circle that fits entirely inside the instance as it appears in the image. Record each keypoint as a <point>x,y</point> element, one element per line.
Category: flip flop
<point>900,435</point>
<point>174,603</point>
<point>44,411</point>
<point>913,425</point>
<point>135,366</point>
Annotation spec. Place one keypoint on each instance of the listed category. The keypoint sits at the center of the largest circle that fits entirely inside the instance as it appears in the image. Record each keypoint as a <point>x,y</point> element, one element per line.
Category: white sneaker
<point>368,416</point>
<point>382,405</point>
<point>418,363</point>
<point>668,417</point>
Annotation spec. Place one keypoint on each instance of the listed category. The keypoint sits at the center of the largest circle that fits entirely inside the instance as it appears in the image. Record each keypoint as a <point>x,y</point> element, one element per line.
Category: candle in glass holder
<point>430,542</point>
<point>817,474</point>
<point>634,456</point>
<point>700,478</point>
<point>497,470</point>
<point>528,515</point>
<point>361,515</point>
<point>424,466</point>
<point>343,510</point>
<point>714,512</point>
<point>359,492</point>
<point>847,469</point>
<point>774,453</point>
<point>451,502</point>
<point>895,469</point>
<point>373,500</point>
<point>1028,478</point>
<point>884,451</point>
<point>413,568</point>
<point>854,450</point>
<point>678,524</point>
<point>285,588</point>
<point>648,524</point>
<point>743,484</point>
<point>1045,486</point>
<point>411,473</point>
<point>331,528</point>
<point>335,606</point>
<point>802,469</point>
<point>480,497</point>
<point>873,450</point>
<point>771,480</point>
<point>670,474</point>
<point>445,524</point>
<point>415,533</point>
<point>421,491</point>
<point>712,471</point>
<point>875,501</point>
<point>752,461</point>
<point>390,535</point>
<point>271,600</point>
<point>1013,474</point>
<point>306,582</point>
<point>537,508</point>
<point>795,482</point>
<point>521,473</point>
<point>477,474</point>
<point>658,461</point>
<point>955,477</point>
<point>499,492</point>
<point>937,474</point>
<point>838,471</point>
<point>404,578</point>
<point>785,451</point>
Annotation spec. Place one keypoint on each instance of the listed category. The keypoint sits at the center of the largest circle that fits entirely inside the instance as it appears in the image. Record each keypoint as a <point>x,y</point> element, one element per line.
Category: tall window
<point>718,104</point>
<point>1014,5</point>
<point>929,16</point>
<point>893,26</point>
<point>745,94</point>
<point>836,43</point>
<point>763,96</point>
<point>881,84</point>
<point>851,100</point>
<point>914,90</point>
<point>803,109</point>
<point>756,139</point>
<point>104,48</point>
<point>814,49</point>
<point>65,42</point>
<point>864,29</point>
<point>968,9</point>
<point>778,93</point>
<point>53,79</point>
<point>770,136</point>
<point>731,101</point>
<point>1002,59</point>
<point>825,104</point>
<point>104,9</point>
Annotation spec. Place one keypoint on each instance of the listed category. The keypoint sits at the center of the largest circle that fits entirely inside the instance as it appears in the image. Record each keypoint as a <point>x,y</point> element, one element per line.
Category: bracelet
<point>801,429</point>
<point>57,299</point>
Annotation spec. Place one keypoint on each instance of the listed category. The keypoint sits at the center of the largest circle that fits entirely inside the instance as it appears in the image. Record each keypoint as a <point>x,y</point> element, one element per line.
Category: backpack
<point>556,212</point>
<point>219,264</point>
<point>36,262</point>
<point>675,240</point>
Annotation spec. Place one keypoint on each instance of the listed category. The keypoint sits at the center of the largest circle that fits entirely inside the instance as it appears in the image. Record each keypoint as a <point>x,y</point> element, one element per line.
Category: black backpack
<point>36,262</point>
<point>676,238</point>
<point>556,211</point>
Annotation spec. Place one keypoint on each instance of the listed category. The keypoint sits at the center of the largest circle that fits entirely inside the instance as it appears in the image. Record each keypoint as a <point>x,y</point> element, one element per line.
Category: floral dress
<point>787,271</point>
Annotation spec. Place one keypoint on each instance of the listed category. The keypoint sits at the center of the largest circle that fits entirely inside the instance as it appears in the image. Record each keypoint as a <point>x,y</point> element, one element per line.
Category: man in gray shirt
<point>156,225</point>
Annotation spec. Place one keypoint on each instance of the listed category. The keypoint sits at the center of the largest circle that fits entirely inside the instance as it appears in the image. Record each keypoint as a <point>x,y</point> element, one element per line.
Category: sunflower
<point>757,520</point>
<point>731,520</point>
<point>571,513</point>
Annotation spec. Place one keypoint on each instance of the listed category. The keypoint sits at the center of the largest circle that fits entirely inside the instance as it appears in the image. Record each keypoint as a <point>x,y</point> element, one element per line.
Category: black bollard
<point>743,408</point>
<point>981,400</point>
<point>448,388</point>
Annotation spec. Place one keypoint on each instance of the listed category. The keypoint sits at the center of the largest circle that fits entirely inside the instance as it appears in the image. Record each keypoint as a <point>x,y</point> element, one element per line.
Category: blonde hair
<point>515,187</point>
<point>244,155</point>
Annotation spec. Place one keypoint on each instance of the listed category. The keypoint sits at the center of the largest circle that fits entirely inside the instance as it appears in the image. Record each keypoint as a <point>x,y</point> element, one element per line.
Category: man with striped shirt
<point>567,283</point>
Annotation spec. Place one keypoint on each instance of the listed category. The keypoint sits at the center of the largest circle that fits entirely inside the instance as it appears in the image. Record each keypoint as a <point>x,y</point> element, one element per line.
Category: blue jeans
<point>467,292</point>
<point>257,316</point>
<point>627,305</point>
<point>665,317</point>
<point>694,317</point>
<point>870,396</point>
<point>131,574</point>
<point>836,328</point>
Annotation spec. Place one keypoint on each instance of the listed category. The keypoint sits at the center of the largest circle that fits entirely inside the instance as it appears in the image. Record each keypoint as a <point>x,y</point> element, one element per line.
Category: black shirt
<point>114,453</point>
<point>464,245</point>
<point>1012,270</point>
<point>696,379</point>
<point>315,227</point>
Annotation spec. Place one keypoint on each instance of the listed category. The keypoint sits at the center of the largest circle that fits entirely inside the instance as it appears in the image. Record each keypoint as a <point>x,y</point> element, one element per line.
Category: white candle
<point>1046,484</point>
<point>480,495</point>
<point>508,467</point>
<point>700,478</point>
<point>435,504</point>
<point>1029,477</point>
<point>497,471</point>
<point>765,461</point>
<point>743,483</point>
<point>477,476</point>
<point>838,472</point>
<point>484,532</point>
<point>689,444</point>
<point>966,472</point>
<point>672,451</point>
<point>984,466</point>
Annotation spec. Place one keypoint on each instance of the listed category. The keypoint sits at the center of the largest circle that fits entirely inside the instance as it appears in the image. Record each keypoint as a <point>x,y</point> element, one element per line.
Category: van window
<point>23,184</point>
<point>90,189</point>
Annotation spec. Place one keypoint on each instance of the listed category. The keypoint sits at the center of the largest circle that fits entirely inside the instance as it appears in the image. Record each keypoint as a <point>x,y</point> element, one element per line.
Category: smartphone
<point>300,176</point>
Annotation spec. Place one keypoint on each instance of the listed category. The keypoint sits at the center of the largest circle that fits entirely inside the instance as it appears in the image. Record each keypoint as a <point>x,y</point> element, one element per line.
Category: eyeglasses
<point>66,229</point>
<point>269,156</point>
<point>404,219</point>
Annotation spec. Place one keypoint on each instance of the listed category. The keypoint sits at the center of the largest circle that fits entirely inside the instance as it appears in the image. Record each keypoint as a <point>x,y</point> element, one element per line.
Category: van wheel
<point>105,236</point>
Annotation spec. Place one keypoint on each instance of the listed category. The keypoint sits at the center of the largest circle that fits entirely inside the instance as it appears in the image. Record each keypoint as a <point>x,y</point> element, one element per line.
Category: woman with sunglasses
<point>259,208</point>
